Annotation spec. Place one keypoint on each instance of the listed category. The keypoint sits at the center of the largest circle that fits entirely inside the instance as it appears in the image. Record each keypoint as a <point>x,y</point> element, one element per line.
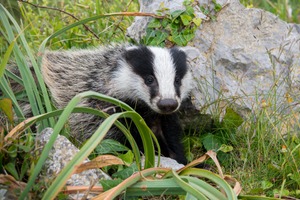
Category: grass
<point>287,10</point>
<point>263,152</point>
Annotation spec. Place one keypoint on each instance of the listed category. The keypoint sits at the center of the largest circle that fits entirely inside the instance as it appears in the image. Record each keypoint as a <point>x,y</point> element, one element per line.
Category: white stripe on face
<point>164,72</point>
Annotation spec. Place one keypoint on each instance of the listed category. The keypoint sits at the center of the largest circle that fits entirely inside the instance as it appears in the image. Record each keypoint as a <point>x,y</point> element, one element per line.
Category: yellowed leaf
<point>99,162</point>
<point>6,107</point>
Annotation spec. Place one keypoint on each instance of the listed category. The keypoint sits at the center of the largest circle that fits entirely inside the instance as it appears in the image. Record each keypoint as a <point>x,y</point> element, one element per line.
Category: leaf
<point>186,19</point>
<point>155,23</point>
<point>6,107</point>
<point>211,142</point>
<point>231,119</point>
<point>159,38</point>
<point>266,185</point>
<point>176,14</point>
<point>108,184</point>
<point>99,162</point>
<point>24,169</point>
<point>197,21</point>
<point>127,157</point>
<point>10,167</point>
<point>218,6</point>
<point>165,22</point>
<point>225,148</point>
<point>190,11</point>
<point>12,151</point>
<point>24,148</point>
<point>125,173</point>
<point>179,40</point>
<point>110,146</point>
<point>189,37</point>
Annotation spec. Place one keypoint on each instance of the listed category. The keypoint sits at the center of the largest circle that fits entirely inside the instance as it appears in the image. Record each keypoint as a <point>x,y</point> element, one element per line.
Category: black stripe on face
<point>180,63</point>
<point>141,61</point>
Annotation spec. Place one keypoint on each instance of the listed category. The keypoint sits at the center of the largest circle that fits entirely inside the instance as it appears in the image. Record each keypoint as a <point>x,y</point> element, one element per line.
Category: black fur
<point>180,63</point>
<point>166,128</point>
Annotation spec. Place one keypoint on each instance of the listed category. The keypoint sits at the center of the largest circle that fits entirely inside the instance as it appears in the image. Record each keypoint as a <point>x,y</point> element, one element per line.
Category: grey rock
<point>166,162</point>
<point>246,55</point>
<point>61,153</point>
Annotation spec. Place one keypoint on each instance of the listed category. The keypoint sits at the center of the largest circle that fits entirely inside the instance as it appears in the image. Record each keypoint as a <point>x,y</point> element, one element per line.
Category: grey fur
<point>67,73</point>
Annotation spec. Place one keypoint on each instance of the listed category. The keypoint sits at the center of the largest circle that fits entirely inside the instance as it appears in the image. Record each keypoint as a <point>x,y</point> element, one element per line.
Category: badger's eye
<point>149,80</point>
<point>177,80</point>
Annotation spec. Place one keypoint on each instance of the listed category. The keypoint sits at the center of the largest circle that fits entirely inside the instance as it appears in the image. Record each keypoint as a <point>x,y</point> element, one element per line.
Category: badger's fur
<point>152,80</point>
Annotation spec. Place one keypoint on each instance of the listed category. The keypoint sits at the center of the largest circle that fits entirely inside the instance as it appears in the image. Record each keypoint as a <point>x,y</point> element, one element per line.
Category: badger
<point>152,80</point>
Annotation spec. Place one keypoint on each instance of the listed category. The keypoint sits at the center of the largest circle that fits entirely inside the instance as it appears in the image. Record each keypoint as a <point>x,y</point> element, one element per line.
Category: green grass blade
<point>207,189</point>
<point>187,187</point>
<point>6,58</point>
<point>213,177</point>
<point>154,187</point>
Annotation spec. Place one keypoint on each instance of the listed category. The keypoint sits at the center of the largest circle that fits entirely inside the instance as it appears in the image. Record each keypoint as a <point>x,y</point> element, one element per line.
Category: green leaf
<point>108,184</point>
<point>218,6</point>
<point>174,28</point>
<point>266,185</point>
<point>232,119</point>
<point>189,37</point>
<point>197,21</point>
<point>159,38</point>
<point>179,40</point>
<point>155,23</point>
<point>127,157</point>
<point>165,22</point>
<point>110,146</point>
<point>176,14</point>
<point>125,173</point>
<point>186,19</point>
<point>11,168</point>
<point>225,148</point>
<point>211,142</point>
<point>24,148</point>
<point>190,11</point>
<point>12,151</point>
<point>24,168</point>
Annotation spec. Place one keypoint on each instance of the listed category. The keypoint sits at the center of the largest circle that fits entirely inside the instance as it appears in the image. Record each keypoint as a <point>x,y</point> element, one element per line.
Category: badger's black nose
<point>167,105</point>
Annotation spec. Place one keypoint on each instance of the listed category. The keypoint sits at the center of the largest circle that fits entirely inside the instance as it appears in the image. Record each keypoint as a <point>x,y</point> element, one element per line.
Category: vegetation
<point>287,10</point>
<point>262,152</point>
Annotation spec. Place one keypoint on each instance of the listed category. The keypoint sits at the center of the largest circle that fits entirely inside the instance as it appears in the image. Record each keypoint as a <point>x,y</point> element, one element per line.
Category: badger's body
<point>154,81</point>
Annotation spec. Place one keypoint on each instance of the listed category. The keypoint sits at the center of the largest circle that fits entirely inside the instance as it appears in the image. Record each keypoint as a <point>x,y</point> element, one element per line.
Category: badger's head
<point>159,77</point>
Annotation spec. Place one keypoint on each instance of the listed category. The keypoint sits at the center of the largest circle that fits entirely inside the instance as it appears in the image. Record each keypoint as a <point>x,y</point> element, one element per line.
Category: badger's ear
<point>130,53</point>
<point>191,52</point>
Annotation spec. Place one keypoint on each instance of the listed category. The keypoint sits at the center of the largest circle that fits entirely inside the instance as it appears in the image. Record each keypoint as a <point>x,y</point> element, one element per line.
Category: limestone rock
<point>166,162</point>
<point>61,153</point>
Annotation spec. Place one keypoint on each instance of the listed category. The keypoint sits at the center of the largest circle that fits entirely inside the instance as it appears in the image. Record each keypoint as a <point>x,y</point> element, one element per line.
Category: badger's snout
<point>167,105</point>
